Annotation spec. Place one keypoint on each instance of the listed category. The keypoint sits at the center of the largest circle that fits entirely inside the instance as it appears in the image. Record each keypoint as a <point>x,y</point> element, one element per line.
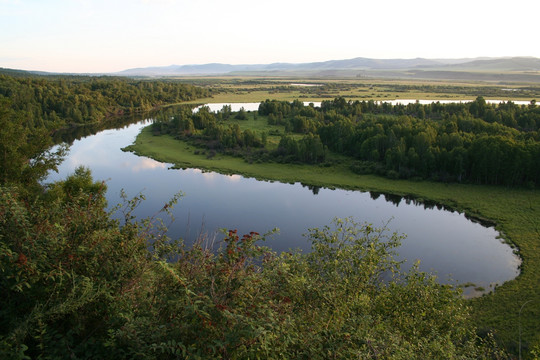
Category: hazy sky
<point>113,35</point>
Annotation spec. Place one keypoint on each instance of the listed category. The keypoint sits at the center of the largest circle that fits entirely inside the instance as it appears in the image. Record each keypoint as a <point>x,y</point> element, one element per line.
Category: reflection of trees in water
<point>394,199</point>
<point>408,199</point>
<point>313,188</point>
<point>427,204</point>
<point>69,135</point>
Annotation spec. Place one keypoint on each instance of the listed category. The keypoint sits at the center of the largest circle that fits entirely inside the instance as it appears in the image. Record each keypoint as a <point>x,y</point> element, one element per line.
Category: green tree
<point>241,114</point>
<point>25,154</point>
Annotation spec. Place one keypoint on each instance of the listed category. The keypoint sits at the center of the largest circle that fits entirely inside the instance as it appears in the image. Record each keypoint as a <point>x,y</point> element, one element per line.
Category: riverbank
<point>515,212</point>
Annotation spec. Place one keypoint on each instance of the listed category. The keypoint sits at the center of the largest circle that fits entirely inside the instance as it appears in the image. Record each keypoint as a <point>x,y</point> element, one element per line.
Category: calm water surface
<point>445,242</point>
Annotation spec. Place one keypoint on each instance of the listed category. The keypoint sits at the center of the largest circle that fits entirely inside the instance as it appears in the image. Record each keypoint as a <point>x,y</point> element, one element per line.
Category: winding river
<point>446,243</point>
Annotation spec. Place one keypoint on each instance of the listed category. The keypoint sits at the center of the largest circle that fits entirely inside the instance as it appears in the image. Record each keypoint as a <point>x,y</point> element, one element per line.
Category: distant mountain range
<point>504,69</point>
<point>350,67</point>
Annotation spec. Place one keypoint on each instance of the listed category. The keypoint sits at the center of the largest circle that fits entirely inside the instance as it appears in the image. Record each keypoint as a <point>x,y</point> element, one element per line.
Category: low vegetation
<point>77,284</point>
<point>513,209</point>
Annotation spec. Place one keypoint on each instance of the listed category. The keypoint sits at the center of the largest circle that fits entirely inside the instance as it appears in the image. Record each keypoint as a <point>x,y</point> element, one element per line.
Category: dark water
<point>445,242</point>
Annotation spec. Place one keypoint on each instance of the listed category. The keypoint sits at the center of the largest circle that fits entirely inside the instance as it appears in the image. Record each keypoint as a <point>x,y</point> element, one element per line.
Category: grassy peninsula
<point>515,211</point>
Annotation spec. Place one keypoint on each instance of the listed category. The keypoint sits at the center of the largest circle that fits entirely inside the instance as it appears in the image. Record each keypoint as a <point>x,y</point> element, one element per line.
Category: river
<point>446,243</point>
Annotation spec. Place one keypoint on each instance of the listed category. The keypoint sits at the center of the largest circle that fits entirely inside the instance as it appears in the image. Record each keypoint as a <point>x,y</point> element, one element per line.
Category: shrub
<point>77,284</point>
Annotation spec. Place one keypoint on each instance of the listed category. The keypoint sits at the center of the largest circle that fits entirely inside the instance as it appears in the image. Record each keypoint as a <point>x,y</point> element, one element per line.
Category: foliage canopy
<point>77,284</point>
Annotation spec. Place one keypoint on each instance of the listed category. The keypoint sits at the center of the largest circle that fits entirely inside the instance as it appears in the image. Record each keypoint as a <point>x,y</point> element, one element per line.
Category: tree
<point>478,107</point>
<point>67,270</point>
<point>25,154</point>
<point>225,112</point>
<point>311,149</point>
<point>241,114</point>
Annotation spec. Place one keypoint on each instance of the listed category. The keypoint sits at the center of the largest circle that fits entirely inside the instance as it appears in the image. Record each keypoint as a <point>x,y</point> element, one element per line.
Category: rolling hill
<point>509,69</point>
<point>504,69</point>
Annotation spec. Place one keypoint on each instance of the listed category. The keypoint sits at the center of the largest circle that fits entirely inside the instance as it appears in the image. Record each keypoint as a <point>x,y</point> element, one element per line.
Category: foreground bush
<point>77,284</point>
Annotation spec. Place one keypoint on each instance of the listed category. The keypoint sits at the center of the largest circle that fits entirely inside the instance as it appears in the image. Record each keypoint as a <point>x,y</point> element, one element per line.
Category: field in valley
<point>256,89</point>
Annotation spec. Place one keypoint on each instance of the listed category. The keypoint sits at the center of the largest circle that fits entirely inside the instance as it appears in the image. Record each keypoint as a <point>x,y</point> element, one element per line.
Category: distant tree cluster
<point>465,142</point>
<point>209,128</point>
<point>54,102</point>
<point>474,142</point>
<point>308,149</point>
<point>25,153</point>
<point>213,132</point>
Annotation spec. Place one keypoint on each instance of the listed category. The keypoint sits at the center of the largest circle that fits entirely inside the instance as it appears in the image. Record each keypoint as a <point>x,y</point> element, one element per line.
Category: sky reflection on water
<point>445,242</point>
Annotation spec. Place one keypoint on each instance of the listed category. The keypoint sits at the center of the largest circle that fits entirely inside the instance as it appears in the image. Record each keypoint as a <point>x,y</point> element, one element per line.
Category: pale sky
<point>113,35</point>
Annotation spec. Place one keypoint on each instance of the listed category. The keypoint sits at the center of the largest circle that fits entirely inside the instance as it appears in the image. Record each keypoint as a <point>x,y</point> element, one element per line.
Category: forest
<point>472,142</point>
<point>55,102</point>
<point>80,283</point>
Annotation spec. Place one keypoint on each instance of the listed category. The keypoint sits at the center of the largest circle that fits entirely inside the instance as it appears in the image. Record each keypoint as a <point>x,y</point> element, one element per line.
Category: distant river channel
<point>455,248</point>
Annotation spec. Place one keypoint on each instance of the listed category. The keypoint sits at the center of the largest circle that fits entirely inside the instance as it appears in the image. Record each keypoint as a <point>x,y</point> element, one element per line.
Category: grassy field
<point>249,89</point>
<point>516,213</point>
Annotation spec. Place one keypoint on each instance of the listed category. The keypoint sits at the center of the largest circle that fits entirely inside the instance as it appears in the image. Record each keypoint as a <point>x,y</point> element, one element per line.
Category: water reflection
<point>446,242</point>
<point>145,164</point>
<point>314,189</point>
<point>69,135</point>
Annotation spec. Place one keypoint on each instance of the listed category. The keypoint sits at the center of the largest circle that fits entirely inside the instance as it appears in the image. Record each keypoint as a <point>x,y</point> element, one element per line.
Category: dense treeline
<point>472,142</point>
<point>215,133</point>
<point>25,153</point>
<point>475,142</point>
<point>525,118</point>
<point>78,282</point>
<point>54,102</point>
<point>209,127</point>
